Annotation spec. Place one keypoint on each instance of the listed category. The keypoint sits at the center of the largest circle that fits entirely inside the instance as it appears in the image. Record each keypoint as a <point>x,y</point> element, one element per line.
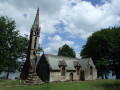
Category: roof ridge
<point>62,56</point>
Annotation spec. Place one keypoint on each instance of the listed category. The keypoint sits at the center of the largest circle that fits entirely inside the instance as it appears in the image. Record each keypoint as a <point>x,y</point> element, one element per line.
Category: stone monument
<point>32,78</point>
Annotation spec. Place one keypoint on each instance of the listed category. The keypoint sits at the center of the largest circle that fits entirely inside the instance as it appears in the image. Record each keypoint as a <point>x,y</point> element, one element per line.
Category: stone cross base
<point>33,79</point>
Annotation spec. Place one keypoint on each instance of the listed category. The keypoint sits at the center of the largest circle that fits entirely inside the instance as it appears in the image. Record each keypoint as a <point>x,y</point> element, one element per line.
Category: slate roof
<point>53,61</point>
<point>84,63</point>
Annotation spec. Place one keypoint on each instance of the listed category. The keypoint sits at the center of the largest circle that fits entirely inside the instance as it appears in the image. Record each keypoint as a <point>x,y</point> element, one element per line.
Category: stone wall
<point>56,76</point>
<point>87,73</point>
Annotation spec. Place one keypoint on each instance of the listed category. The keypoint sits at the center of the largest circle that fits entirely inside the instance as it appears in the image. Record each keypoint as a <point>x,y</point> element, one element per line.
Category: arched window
<point>78,71</point>
<point>71,76</point>
<point>35,42</point>
<point>63,71</point>
<point>91,70</point>
<point>34,53</point>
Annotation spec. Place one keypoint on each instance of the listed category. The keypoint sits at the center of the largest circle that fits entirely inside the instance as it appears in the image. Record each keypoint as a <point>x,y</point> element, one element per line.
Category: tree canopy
<point>67,51</point>
<point>13,46</point>
<point>104,48</point>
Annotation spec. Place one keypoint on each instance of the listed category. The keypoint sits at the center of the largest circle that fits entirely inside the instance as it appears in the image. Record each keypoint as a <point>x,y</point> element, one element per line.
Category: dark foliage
<point>67,51</point>
<point>104,48</point>
<point>12,46</point>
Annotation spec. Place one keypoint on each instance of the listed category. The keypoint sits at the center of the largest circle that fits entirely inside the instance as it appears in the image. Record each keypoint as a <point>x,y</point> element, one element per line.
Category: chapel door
<point>82,76</point>
<point>71,76</point>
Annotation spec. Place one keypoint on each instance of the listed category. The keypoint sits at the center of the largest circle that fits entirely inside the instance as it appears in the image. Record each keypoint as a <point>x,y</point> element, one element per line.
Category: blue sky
<point>63,21</point>
<point>94,2</point>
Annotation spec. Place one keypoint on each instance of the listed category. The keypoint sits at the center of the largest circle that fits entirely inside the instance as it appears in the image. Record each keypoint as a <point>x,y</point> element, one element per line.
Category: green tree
<point>97,48</point>
<point>67,51</point>
<point>13,46</point>
<point>104,48</point>
<point>40,49</point>
<point>115,55</point>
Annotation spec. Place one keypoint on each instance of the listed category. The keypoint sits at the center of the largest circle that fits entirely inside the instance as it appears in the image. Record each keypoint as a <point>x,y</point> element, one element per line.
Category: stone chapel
<point>53,68</point>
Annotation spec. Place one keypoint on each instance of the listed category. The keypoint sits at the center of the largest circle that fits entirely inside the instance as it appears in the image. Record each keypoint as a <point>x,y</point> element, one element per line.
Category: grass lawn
<point>82,85</point>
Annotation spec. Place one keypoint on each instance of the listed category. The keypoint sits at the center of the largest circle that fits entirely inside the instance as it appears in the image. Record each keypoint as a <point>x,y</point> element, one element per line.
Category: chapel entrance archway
<point>82,75</point>
<point>71,76</point>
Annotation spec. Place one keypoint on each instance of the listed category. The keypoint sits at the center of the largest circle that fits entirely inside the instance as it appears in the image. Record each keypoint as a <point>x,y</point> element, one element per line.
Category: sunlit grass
<point>81,85</point>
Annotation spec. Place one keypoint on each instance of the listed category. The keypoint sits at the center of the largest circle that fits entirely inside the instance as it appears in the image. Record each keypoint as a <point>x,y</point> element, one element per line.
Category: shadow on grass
<point>110,86</point>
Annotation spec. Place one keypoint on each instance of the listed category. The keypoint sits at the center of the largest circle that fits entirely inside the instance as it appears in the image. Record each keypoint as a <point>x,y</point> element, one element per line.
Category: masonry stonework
<point>75,69</point>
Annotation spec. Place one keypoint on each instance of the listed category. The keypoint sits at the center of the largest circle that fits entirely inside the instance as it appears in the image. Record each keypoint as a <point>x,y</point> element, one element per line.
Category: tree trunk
<point>117,72</point>
<point>117,76</point>
<point>102,77</point>
<point>106,77</point>
<point>7,75</point>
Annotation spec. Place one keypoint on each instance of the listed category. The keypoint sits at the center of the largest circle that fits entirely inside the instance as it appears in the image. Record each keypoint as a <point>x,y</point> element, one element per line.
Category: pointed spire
<point>36,22</point>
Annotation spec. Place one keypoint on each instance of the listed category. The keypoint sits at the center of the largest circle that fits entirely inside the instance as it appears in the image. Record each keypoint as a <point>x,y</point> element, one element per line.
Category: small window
<point>34,53</point>
<point>35,42</point>
<point>78,71</point>
<point>91,70</point>
<point>63,71</point>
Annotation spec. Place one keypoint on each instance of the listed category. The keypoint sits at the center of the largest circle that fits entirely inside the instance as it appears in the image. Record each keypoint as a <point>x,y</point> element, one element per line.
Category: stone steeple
<point>32,52</point>
<point>36,22</point>
<point>34,41</point>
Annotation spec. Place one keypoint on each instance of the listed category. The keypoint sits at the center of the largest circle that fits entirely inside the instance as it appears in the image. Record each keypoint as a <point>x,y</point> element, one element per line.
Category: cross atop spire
<point>36,22</point>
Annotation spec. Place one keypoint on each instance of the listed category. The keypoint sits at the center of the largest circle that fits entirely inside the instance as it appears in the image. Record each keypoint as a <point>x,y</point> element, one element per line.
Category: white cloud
<point>78,54</point>
<point>77,47</point>
<point>57,38</point>
<point>80,20</point>
<point>47,24</point>
<point>42,36</point>
<point>47,6</point>
<point>84,18</point>
<point>49,9</point>
<point>56,43</point>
